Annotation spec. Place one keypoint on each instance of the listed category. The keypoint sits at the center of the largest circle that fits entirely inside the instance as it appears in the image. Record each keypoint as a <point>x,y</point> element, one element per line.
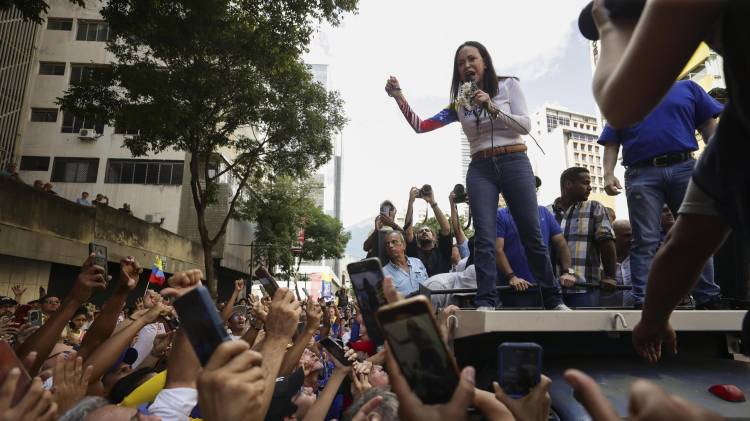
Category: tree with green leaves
<point>222,80</point>
<point>33,10</point>
<point>280,209</point>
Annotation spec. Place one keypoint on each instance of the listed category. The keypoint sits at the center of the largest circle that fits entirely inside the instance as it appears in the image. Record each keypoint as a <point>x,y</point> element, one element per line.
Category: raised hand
<point>90,278</point>
<point>239,284</point>
<point>283,316</point>
<point>392,86</point>
<point>183,282</point>
<point>36,404</point>
<point>153,313</point>
<point>18,292</point>
<point>231,385</point>
<point>314,314</point>
<point>70,381</point>
<point>162,344</point>
<point>129,273</point>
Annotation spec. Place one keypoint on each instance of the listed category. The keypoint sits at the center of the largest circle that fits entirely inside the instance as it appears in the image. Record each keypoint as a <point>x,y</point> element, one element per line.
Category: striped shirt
<point>584,225</point>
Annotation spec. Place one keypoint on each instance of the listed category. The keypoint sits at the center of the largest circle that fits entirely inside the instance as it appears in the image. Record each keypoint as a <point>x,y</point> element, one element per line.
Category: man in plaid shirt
<point>590,238</point>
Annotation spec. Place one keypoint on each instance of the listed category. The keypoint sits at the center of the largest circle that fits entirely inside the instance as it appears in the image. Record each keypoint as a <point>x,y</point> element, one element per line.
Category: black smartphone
<point>35,317</point>
<point>413,336</point>
<point>266,281</point>
<point>201,321</point>
<point>367,280</point>
<point>520,367</point>
<point>335,350</point>
<point>100,257</point>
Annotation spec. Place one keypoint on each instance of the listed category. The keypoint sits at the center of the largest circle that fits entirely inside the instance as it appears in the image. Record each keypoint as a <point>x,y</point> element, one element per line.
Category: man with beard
<point>433,250</point>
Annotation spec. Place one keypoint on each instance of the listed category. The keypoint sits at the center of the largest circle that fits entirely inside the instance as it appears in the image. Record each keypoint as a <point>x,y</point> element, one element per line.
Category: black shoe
<point>712,304</point>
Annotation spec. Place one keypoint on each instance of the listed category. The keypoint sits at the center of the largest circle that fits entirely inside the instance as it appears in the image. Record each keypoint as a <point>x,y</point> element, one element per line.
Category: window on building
<point>139,171</point>
<point>591,148</point>
<point>122,130</point>
<point>75,170</point>
<point>59,24</point>
<point>44,115</point>
<point>564,121</point>
<point>81,72</point>
<point>575,146</point>
<point>73,124</point>
<point>51,68</point>
<point>89,30</point>
<point>34,163</point>
<point>577,156</point>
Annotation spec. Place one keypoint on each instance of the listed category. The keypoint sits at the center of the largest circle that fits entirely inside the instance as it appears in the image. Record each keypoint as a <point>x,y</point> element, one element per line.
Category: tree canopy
<point>222,80</point>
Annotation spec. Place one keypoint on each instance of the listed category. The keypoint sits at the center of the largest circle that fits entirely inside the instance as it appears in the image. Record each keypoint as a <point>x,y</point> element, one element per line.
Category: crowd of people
<point>125,362</point>
<point>74,362</point>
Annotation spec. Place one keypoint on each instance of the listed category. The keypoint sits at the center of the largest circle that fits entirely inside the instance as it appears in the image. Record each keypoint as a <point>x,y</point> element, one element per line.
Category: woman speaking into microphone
<point>493,116</point>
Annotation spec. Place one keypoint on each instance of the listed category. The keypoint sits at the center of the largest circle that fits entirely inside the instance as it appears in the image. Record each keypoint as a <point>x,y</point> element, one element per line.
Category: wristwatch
<point>569,271</point>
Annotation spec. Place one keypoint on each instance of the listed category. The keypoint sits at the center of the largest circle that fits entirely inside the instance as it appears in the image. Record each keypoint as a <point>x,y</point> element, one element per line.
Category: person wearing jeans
<point>657,153</point>
<point>493,115</point>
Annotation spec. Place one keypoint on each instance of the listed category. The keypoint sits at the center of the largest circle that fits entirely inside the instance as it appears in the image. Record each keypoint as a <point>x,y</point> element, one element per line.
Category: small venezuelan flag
<point>157,272</point>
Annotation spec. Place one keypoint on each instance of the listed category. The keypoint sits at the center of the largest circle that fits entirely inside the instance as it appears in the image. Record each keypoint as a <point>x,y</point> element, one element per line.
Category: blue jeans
<point>511,175</point>
<point>647,190</point>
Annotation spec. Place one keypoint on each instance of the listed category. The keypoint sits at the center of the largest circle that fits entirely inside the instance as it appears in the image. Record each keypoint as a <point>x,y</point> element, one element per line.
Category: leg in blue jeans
<point>706,289</point>
<point>644,188</point>
<point>481,184</point>
<point>517,186</point>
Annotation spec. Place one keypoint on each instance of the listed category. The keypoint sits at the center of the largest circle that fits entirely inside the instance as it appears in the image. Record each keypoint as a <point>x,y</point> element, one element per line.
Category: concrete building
<point>17,40</point>
<point>569,140</point>
<point>78,154</point>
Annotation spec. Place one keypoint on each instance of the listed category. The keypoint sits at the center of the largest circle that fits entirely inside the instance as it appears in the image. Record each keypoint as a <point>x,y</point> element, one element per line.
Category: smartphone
<point>266,281</point>
<point>385,210</point>
<point>9,360</point>
<point>100,257</point>
<point>520,367</point>
<point>367,281</point>
<point>413,336</point>
<point>335,350</point>
<point>35,317</point>
<point>201,321</point>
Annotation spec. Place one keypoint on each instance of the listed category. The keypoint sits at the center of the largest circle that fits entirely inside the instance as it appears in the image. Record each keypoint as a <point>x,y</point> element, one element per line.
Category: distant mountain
<point>359,232</point>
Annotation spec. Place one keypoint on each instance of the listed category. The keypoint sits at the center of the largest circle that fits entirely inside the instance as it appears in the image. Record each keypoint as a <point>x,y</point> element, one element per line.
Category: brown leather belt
<point>498,150</point>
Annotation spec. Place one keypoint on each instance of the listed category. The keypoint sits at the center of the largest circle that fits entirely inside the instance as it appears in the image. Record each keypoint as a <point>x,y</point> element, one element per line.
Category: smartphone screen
<point>335,350</point>
<point>266,281</point>
<point>100,257</point>
<point>421,354</point>
<point>367,280</point>
<point>9,360</point>
<point>35,317</point>
<point>520,365</point>
<point>201,321</point>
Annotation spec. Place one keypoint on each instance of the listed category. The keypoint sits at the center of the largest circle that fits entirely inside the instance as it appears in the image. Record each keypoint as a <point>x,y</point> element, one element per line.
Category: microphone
<point>473,88</point>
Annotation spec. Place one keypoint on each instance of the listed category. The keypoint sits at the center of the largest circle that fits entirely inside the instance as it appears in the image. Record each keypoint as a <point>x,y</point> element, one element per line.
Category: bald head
<point>623,237</point>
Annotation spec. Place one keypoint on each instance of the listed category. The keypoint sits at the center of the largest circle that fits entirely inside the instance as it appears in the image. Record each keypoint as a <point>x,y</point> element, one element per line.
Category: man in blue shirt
<point>407,272</point>
<point>657,153</point>
<point>512,263</point>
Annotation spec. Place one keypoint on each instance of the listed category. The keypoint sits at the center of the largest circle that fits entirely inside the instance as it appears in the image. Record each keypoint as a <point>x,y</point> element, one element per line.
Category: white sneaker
<point>561,307</point>
<point>485,308</point>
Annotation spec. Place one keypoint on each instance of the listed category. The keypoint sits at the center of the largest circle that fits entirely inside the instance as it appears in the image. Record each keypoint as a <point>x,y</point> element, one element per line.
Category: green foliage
<point>280,209</point>
<point>33,10</point>
<point>212,77</point>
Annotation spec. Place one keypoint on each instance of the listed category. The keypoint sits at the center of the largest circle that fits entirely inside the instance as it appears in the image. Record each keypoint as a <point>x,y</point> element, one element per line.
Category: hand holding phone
<point>335,350</point>
<point>201,321</point>
<point>35,317</point>
<point>416,345</point>
<point>267,281</point>
<point>520,367</point>
<point>367,282</point>
<point>100,257</point>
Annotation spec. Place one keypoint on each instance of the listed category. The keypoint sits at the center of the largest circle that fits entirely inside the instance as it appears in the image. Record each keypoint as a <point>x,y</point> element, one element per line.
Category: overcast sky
<point>415,40</point>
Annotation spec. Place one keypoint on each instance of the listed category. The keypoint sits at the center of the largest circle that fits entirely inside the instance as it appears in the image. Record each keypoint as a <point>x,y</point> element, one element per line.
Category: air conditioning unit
<point>88,134</point>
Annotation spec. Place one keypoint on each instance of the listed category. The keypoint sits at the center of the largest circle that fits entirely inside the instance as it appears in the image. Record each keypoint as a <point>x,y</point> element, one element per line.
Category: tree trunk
<point>208,261</point>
